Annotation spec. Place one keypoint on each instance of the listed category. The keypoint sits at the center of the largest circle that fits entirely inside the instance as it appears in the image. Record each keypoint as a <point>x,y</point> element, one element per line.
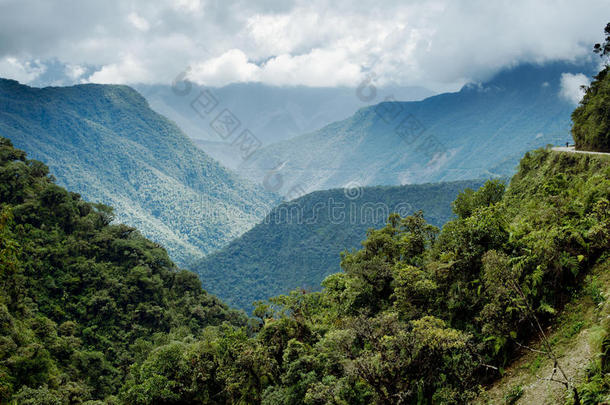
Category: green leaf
<point>544,307</point>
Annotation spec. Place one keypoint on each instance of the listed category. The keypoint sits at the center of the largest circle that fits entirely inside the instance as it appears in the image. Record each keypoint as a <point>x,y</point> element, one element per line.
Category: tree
<point>422,361</point>
<point>469,200</point>
<point>502,282</point>
<point>604,49</point>
<point>591,129</point>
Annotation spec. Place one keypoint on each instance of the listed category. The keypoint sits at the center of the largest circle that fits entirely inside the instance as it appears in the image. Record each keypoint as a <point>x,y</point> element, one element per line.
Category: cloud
<point>128,70</point>
<point>138,22</point>
<point>320,67</point>
<point>571,87</point>
<point>24,72</point>
<point>231,66</point>
<point>439,44</point>
<point>74,72</point>
<point>317,68</point>
<point>188,5</point>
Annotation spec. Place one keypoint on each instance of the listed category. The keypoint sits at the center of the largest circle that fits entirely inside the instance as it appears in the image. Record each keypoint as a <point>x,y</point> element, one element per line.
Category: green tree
<point>603,49</point>
<point>591,129</point>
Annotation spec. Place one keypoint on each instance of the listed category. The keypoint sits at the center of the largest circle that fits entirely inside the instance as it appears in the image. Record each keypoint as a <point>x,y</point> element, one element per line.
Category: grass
<point>535,364</point>
<point>513,395</point>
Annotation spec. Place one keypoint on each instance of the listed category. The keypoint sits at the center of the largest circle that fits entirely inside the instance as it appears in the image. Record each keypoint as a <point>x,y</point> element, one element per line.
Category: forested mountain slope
<point>417,315</point>
<point>104,142</point>
<point>80,299</point>
<point>94,311</point>
<point>479,132</point>
<point>299,243</point>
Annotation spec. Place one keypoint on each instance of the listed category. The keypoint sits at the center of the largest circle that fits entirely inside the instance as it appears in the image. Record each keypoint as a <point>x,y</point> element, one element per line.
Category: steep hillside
<point>105,143</point>
<point>478,132</point>
<point>92,311</point>
<point>272,113</point>
<point>80,299</point>
<point>299,243</point>
<point>577,338</point>
<point>418,315</point>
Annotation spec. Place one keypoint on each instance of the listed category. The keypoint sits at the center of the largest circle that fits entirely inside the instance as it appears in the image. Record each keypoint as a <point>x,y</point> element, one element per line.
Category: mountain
<point>479,132</point>
<point>421,316</point>
<point>271,113</point>
<point>104,142</point>
<point>299,242</point>
<point>81,299</point>
<point>92,312</point>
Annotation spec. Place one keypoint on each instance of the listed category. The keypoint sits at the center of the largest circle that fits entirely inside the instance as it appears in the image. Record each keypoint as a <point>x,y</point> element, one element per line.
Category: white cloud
<point>320,67</point>
<point>23,72</point>
<point>138,22</point>
<point>277,34</point>
<point>571,86</point>
<point>231,66</point>
<point>75,72</point>
<point>187,5</point>
<point>439,44</point>
<point>128,70</point>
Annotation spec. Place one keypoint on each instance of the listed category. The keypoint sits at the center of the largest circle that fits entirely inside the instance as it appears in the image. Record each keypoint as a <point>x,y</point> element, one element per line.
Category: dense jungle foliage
<point>92,311</point>
<point>81,300</point>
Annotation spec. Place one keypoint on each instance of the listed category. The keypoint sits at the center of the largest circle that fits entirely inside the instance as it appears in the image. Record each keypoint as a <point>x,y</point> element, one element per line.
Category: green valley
<point>446,251</point>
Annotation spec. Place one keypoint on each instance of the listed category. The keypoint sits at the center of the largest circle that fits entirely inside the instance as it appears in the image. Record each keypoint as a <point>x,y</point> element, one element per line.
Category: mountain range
<point>93,312</point>
<point>478,132</point>
<point>271,113</point>
<point>104,142</point>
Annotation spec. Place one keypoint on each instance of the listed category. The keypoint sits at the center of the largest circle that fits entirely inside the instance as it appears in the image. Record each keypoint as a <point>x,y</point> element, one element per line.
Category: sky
<point>437,44</point>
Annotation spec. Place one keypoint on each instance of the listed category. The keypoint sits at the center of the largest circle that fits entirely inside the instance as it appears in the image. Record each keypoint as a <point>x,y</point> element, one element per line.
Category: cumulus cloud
<point>316,68</point>
<point>571,86</point>
<point>231,66</point>
<point>128,70</point>
<point>188,5</point>
<point>439,44</point>
<point>320,67</point>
